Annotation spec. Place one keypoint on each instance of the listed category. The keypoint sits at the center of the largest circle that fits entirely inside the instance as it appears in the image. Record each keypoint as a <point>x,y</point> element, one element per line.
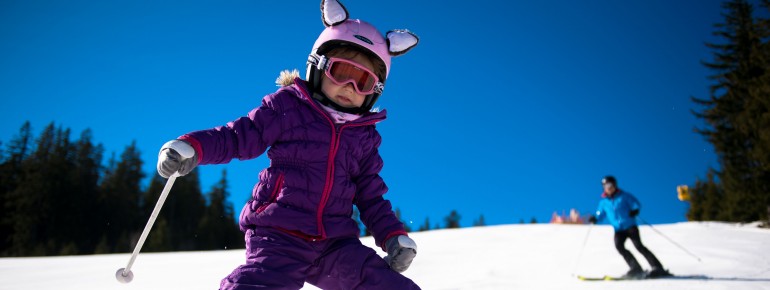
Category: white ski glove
<point>401,251</point>
<point>176,156</point>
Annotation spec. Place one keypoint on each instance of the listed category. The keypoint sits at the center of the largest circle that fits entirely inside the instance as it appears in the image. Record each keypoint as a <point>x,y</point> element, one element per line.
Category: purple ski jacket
<point>318,169</point>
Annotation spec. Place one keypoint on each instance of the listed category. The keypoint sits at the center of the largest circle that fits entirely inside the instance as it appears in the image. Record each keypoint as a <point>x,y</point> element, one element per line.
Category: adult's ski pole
<point>669,239</point>
<point>582,248</point>
<point>124,275</point>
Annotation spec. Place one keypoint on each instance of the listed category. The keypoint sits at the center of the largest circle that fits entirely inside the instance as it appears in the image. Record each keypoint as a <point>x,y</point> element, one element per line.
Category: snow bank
<point>540,256</point>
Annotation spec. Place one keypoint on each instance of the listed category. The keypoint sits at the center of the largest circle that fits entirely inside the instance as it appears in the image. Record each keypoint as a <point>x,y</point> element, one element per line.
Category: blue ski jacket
<point>616,209</point>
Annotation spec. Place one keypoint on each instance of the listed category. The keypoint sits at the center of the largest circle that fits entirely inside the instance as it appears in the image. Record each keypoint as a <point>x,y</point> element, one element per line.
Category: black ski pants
<point>633,234</point>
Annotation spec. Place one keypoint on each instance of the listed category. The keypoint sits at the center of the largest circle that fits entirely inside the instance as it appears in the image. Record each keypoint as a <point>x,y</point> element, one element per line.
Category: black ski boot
<point>658,273</point>
<point>634,274</point>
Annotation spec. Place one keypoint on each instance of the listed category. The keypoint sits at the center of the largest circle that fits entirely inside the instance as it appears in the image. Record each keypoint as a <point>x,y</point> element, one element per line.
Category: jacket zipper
<point>335,145</point>
<point>333,148</point>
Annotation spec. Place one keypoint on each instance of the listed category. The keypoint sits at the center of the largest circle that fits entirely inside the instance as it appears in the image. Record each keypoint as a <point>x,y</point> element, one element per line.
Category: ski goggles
<point>342,71</point>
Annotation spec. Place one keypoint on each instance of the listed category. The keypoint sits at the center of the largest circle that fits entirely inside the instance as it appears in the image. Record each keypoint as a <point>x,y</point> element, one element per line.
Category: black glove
<point>592,219</point>
<point>633,213</point>
<point>401,252</point>
<point>176,156</point>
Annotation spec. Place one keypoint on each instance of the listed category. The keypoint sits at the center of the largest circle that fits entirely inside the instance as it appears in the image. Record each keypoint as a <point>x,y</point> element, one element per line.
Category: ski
<point>609,278</point>
<point>584,278</point>
<point>612,278</point>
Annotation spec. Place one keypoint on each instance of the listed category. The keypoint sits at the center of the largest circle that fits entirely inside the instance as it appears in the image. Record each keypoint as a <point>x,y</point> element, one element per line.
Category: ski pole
<point>669,239</point>
<point>582,248</point>
<point>124,275</point>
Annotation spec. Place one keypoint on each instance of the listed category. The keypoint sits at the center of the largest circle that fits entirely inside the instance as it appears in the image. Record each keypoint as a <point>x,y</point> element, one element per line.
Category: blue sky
<point>510,109</point>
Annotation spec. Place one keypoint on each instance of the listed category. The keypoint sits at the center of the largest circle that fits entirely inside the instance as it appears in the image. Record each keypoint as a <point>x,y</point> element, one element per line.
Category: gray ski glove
<point>401,251</point>
<point>176,156</point>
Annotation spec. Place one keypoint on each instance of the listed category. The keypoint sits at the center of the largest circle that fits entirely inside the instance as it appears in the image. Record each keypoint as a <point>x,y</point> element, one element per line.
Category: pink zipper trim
<point>274,194</point>
<point>195,144</point>
<point>393,234</point>
<point>333,148</point>
<point>329,166</point>
<point>330,177</point>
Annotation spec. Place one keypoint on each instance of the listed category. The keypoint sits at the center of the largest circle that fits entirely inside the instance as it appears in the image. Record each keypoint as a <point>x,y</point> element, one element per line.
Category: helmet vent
<point>364,39</point>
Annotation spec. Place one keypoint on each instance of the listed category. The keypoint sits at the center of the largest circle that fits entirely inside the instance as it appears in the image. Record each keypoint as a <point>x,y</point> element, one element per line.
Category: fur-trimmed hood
<point>286,78</point>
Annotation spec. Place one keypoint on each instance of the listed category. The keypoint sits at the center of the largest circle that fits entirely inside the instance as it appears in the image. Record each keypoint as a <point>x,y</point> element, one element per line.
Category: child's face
<point>346,95</point>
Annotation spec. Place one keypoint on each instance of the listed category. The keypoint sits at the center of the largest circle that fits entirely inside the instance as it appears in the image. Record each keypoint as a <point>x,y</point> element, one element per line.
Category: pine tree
<point>479,222</point>
<point>706,200</point>
<point>217,227</point>
<point>452,220</point>
<point>85,177</point>
<point>40,197</point>
<point>737,113</point>
<point>11,175</point>
<point>160,239</point>
<point>61,196</point>
<point>119,200</point>
<point>407,228</point>
<point>49,193</point>
<point>182,211</point>
<point>426,226</point>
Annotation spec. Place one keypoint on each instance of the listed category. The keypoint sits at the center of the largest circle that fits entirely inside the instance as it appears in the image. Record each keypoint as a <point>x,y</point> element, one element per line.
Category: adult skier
<point>620,208</point>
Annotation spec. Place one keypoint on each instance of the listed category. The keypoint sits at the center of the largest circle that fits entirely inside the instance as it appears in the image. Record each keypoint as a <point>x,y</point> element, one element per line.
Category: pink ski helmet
<point>359,34</point>
<point>342,31</point>
<point>354,32</point>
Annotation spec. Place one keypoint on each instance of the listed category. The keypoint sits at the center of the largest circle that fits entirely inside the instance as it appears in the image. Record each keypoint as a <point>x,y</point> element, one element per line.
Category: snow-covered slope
<point>539,256</point>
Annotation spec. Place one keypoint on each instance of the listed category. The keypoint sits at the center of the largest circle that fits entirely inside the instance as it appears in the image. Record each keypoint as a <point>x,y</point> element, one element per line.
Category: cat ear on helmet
<point>333,12</point>
<point>400,41</point>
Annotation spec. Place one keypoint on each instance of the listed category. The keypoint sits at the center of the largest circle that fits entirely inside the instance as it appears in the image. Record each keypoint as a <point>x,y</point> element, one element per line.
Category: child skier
<point>621,209</point>
<point>323,150</point>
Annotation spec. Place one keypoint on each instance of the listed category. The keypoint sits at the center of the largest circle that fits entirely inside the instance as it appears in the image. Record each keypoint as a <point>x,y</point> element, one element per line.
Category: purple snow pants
<point>277,260</point>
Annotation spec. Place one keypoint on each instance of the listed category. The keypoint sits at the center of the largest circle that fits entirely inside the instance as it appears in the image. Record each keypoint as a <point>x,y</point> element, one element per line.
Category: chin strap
<point>324,100</point>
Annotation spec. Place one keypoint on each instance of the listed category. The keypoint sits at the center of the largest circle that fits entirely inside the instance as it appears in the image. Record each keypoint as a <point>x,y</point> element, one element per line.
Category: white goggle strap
<point>321,62</point>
